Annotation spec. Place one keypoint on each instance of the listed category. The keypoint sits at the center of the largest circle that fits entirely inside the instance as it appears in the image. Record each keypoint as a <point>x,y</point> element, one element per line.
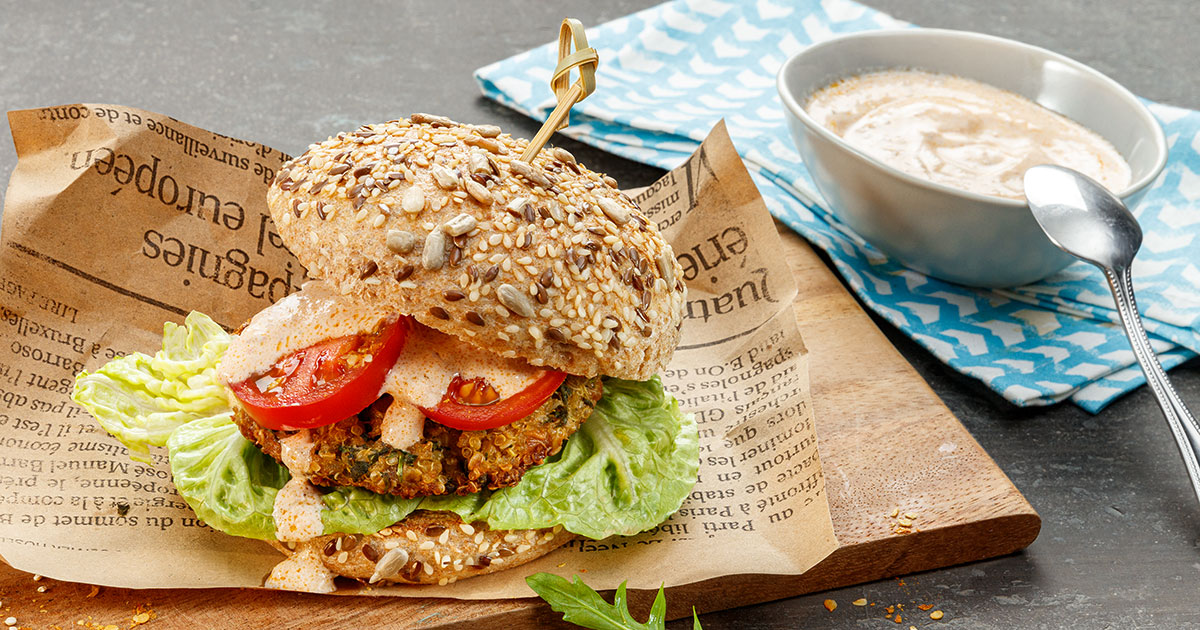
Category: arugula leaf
<point>584,607</point>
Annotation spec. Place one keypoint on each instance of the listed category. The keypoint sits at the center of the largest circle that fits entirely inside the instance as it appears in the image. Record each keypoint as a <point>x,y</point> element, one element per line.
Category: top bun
<point>548,262</point>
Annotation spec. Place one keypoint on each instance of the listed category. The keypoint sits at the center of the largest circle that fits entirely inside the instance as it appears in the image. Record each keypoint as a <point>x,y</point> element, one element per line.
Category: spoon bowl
<point>1081,217</point>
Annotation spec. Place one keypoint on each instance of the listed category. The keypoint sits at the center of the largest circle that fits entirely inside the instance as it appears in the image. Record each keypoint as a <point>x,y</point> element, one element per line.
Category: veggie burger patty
<point>445,460</point>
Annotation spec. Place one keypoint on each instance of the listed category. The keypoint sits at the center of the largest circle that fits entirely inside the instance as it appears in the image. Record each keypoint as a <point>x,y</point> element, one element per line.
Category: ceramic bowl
<point>963,237</point>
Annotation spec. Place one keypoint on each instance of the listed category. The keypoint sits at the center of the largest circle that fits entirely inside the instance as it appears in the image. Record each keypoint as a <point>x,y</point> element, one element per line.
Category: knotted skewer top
<point>585,60</point>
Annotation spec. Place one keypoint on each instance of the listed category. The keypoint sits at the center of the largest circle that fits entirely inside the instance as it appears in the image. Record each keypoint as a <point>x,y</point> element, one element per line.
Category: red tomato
<point>325,382</point>
<point>473,405</point>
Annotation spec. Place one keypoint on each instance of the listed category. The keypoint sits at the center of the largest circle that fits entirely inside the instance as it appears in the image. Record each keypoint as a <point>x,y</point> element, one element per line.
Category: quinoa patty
<point>445,460</point>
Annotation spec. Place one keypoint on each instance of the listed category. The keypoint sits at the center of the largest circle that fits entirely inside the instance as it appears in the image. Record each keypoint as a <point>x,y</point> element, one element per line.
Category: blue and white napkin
<point>669,73</point>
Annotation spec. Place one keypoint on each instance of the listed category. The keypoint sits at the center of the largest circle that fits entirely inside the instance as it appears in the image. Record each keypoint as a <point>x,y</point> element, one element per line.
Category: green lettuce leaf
<point>360,511</point>
<point>228,481</point>
<point>470,508</point>
<point>625,471</point>
<point>141,399</point>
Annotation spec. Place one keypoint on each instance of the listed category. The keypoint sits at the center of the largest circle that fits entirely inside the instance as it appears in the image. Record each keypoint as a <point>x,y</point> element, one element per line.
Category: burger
<point>467,383</point>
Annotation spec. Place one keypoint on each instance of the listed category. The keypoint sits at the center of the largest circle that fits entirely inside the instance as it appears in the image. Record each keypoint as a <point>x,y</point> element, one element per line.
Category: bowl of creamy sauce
<point>918,140</point>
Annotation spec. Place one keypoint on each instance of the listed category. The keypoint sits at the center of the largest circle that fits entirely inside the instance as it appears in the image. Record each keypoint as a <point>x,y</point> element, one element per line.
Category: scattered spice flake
<point>94,592</point>
<point>935,615</point>
<point>890,609</point>
<point>912,628</point>
<point>830,605</point>
<point>142,614</point>
<point>903,525</point>
<point>862,601</point>
<point>897,619</point>
<point>924,606</point>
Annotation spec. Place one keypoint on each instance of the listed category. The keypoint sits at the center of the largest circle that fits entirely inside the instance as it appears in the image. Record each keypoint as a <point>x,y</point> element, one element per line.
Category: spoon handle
<point>1183,425</point>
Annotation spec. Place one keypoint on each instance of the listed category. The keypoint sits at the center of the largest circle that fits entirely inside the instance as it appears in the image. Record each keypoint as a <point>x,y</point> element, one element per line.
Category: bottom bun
<point>430,548</point>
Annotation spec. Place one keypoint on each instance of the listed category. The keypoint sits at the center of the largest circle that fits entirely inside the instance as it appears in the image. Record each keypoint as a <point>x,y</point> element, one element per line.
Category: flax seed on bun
<point>548,261</point>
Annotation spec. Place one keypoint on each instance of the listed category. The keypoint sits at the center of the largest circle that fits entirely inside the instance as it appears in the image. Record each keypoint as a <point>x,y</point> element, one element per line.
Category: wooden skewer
<point>583,59</point>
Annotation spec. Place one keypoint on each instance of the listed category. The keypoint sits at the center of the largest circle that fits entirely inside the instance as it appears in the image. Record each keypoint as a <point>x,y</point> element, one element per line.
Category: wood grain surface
<point>888,445</point>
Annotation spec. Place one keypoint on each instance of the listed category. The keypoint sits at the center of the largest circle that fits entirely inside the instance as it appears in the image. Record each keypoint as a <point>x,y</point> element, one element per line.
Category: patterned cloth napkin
<point>669,73</point>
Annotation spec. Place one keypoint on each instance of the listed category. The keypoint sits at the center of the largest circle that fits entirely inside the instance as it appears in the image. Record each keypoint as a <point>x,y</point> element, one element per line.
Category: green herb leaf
<point>584,607</point>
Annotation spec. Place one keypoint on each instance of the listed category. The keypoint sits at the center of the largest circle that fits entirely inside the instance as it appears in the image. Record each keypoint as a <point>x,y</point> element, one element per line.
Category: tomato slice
<point>471,404</point>
<point>325,382</point>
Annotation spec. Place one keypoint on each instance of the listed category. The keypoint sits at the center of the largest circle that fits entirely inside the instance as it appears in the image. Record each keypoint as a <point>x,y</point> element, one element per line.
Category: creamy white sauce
<point>431,359</point>
<point>961,133</point>
<point>298,321</point>
<point>302,571</point>
<point>402,426</point>
<point>297,511</point>
<point>296,451</point>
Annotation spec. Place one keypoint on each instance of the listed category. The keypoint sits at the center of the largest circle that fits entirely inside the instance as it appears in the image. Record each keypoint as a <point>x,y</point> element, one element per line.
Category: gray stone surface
<point>1119,543</point>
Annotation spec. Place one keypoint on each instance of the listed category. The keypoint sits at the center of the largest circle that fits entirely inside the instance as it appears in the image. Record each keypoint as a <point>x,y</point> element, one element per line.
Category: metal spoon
<point>1086,221</point>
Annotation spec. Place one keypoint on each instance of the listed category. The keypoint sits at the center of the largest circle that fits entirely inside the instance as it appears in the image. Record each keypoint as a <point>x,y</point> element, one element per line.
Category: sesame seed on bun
<point>546,261</point>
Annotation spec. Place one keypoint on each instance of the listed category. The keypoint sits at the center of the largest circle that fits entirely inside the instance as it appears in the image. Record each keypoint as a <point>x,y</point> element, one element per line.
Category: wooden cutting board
<point>888,445</point>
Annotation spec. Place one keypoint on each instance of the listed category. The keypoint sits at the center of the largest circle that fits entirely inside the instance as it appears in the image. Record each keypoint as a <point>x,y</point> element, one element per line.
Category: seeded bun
<point>430,548</point>
<point>549,262</point>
